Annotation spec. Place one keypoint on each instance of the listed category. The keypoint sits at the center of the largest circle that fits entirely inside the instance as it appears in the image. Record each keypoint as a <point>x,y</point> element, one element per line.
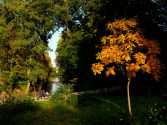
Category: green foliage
<point>68,54</point>
<point>14,106</point>
<point>103,115</point>
<point>3,87</point>
<point>25,29</point>
<point>158,114</point>
<point>102,110</point>
<point>64,95</point>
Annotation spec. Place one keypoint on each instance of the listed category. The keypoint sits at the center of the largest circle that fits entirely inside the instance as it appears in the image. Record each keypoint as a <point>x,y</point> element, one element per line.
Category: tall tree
<point>127,50</point>
<point>28,25</point>
<point>67,50</point>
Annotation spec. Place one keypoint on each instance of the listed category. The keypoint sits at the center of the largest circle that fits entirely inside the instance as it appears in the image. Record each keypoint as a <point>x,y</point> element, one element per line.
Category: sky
<point>53,45</point>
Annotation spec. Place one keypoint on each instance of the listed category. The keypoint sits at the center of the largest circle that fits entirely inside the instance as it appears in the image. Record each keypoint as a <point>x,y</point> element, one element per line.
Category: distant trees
<point>127,50</point>
<point>67,58</point>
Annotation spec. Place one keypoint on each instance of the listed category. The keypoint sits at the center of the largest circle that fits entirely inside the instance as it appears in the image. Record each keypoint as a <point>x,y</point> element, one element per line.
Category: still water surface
<point>54,84</point>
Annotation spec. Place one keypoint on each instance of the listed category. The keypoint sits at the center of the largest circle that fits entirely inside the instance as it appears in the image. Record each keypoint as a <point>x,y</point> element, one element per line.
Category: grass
<point>90,110</point>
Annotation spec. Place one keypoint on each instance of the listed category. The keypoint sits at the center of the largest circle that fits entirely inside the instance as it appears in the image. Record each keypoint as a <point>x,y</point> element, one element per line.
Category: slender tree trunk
<point>0,76</point>
<point>1,82</point>
<point>129,104</point>
<point>68,32</point>
<point>28,82</point>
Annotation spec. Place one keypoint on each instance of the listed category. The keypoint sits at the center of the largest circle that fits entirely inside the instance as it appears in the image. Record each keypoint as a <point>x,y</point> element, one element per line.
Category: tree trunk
<point>0,76</point>
<point>129,104</point>
<point>68,32</point>
<point>28,82</point>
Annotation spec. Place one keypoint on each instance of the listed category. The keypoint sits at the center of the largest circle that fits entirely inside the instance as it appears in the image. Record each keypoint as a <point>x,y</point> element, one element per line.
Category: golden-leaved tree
<point>127,50</point>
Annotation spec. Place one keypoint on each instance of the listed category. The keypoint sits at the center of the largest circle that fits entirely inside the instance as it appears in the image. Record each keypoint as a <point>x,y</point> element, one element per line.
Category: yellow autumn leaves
<point>97,68</point>
<point>122,25</point>
<point>140,58</point>
<point>111,54</point>
<point>110,71</point>
<point>126,47</point>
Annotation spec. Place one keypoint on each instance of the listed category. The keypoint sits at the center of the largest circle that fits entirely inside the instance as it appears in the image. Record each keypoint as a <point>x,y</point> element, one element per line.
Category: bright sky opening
<point>53,45</point>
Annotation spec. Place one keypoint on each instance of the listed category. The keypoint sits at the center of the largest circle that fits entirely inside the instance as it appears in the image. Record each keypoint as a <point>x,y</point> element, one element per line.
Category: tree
<point>26,26</point>
<point>67,50</point>
<point>127,50</point>
<point>87,20</point>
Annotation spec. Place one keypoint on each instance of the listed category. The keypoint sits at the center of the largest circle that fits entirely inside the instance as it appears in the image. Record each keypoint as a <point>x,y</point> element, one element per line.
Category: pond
<point>54,84</point>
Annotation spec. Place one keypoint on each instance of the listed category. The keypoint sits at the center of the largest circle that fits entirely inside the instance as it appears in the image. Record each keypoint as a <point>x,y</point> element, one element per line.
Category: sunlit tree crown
<point>126,49</point>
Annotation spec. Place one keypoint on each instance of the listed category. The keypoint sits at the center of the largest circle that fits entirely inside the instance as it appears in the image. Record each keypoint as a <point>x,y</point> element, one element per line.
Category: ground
<point>86,109</point>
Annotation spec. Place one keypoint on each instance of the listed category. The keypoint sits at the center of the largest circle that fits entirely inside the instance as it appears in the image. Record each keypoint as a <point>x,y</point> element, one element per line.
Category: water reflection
<point>55,80</point>
<point>53,88</point>
<point>54,84</point>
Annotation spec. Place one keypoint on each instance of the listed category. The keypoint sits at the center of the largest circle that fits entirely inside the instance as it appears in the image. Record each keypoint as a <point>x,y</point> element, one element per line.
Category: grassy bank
<point>86,109</point>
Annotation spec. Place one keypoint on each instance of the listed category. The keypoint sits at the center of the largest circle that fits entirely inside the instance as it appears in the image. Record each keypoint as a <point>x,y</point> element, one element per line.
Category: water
<point>53,88</point>
<point>54,84</point>
<point>55,80</point>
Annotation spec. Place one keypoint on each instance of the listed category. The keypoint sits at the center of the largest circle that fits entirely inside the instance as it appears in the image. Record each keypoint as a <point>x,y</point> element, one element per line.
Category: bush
<point>14,106</point>
<point>65,95</point>
<point>158,115</point>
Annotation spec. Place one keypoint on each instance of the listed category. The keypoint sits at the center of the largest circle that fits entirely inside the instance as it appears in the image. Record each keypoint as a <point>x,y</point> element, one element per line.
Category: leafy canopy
<point>127,50</point>
<point>25,27</point>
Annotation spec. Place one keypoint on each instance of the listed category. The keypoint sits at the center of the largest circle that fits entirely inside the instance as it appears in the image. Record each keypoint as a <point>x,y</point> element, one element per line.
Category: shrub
<point>13,106</point>
<point>64,95</point>
<point>158,115</point>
